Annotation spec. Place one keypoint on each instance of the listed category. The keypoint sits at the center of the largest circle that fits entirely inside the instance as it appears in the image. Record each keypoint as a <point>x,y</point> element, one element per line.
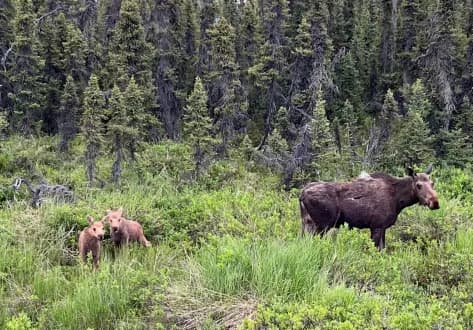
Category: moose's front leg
<point>377,235</point>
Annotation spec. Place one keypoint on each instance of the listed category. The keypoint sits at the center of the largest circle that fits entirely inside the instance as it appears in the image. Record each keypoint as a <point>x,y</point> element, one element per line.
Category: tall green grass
<point>226,252</point>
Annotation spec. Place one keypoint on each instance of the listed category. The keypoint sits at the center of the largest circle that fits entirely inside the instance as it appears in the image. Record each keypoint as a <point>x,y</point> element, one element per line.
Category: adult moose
<point>373,201</point>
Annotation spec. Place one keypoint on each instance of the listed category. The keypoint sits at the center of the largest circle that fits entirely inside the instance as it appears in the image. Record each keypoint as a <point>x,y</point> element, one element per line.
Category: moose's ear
<point>410,171</point>
<point>120,210</point>
<point>90,219</point>
<point>429,169</point>
<point>108,211</point>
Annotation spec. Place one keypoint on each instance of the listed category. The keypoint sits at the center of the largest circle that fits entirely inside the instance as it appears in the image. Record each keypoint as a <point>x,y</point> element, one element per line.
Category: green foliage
<point>198,125</point>
<point>26,95</point>
<point>226,99</point>
<point>410,141</point>
<point>130,54</point>
<point>20,322</point>
<point>117,129</point>
<point>277,143</point>
<point>136,119</point>
<point>384,86</point>
<point>69,110</point>
<point>323,143</point>
<point>91,124</point>
<point>226,252</point>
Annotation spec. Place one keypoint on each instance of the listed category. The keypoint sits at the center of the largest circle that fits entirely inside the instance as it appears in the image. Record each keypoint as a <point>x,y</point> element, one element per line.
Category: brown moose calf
<point>122,231</point>
<point>89,241</point>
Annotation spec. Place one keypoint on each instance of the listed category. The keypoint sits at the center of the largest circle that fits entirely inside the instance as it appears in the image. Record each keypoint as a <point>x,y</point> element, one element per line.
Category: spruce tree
<point>381,129</point>
<point>198,125</point>
<point>282,123</point>
<point>413,142</point>
<point>225,93</point>
<point>464,118</point>
<point>300,97</point>
<point>410,140</point>
<point>168,34</point>
<point>63,49</point>
<point>438,50</point>
<point>190,46</point>
<point>117,130</point>
<point>323,143</point>
<point>409,28</point>
<point>456,145</point>
<point>26,93</point>
<point>363,46</point>
<point>347,79</point>
<point>269,69</point>
<point>300,155</point>
<point>247,148</point>
<point>250,39</point>
<point>130,54</point>
<point>387,58</point>
<point>277,143</point>
<point>91,125</point>
<point>322,47</point>
<point>7,15</point>
<point>137,119</point>
<point>51,36</point>
<point>68,112</point>
<point>73,59</point>
<point>349,124</point>
<point>340,23</point>
<point>208,14</point>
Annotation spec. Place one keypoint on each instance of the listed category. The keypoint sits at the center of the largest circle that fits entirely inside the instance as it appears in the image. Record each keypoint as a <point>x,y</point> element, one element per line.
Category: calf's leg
<point>96,256</point>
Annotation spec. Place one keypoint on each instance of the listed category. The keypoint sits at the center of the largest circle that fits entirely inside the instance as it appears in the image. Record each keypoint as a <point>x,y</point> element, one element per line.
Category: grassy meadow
<point>226,252</point>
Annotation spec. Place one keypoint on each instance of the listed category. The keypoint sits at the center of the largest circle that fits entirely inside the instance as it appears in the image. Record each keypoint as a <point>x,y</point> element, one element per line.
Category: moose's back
<point>358,203</point>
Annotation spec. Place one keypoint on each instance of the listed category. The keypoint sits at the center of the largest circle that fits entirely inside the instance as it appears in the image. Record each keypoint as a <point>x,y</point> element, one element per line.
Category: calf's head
<point>115,219</point>
<point>423,188</point>
<point>96,228</point>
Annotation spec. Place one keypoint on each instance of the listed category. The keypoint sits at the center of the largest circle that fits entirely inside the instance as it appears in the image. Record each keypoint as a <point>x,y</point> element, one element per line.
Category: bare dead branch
<point>60,7</point>
<point>3,61</point>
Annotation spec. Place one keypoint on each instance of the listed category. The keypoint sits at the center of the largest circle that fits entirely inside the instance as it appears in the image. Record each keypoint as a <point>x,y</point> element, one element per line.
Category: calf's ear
<point>410,171</point>
<point>90,219</point>
<point>429,169</point>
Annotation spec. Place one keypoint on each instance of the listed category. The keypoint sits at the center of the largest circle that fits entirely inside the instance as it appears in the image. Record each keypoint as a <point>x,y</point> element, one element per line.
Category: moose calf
<point>89,241</point>
<point>122,231</point>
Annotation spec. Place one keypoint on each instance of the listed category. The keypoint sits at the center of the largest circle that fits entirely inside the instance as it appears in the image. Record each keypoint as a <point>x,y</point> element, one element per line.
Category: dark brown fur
<point>372,202</point>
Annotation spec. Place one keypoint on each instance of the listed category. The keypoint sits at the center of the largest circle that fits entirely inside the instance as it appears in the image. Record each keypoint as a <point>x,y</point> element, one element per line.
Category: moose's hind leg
<point>378,237</point>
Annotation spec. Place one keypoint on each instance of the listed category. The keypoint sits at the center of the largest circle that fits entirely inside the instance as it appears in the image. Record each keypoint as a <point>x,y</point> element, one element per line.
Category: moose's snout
<point>100,237</point>
<point>434,204</point>
<point>114,229</point>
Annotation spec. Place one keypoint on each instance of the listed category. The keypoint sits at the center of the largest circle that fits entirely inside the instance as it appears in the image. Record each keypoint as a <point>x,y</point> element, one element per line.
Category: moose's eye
<point>119,220</point>
<point>419,186</point>
<point>95,229</point>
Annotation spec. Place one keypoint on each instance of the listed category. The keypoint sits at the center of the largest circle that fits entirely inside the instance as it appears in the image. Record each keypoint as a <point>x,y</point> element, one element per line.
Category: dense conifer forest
<point>373,84</point>
<point>202,120</point>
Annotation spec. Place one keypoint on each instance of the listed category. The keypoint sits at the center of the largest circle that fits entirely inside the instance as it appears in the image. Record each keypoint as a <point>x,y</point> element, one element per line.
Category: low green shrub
<point>19,322</point>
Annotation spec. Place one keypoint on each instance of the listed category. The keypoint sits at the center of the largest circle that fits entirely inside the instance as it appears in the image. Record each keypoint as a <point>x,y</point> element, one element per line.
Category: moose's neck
<point>405,195</point>
<point>28,184</point>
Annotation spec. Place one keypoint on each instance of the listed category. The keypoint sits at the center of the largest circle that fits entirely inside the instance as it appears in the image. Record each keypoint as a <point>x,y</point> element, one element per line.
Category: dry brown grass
<point>190,310</point>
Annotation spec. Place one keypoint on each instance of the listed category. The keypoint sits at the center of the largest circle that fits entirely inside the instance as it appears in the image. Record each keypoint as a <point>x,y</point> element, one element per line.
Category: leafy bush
<point>6,194</point>
<point>19,322</point>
